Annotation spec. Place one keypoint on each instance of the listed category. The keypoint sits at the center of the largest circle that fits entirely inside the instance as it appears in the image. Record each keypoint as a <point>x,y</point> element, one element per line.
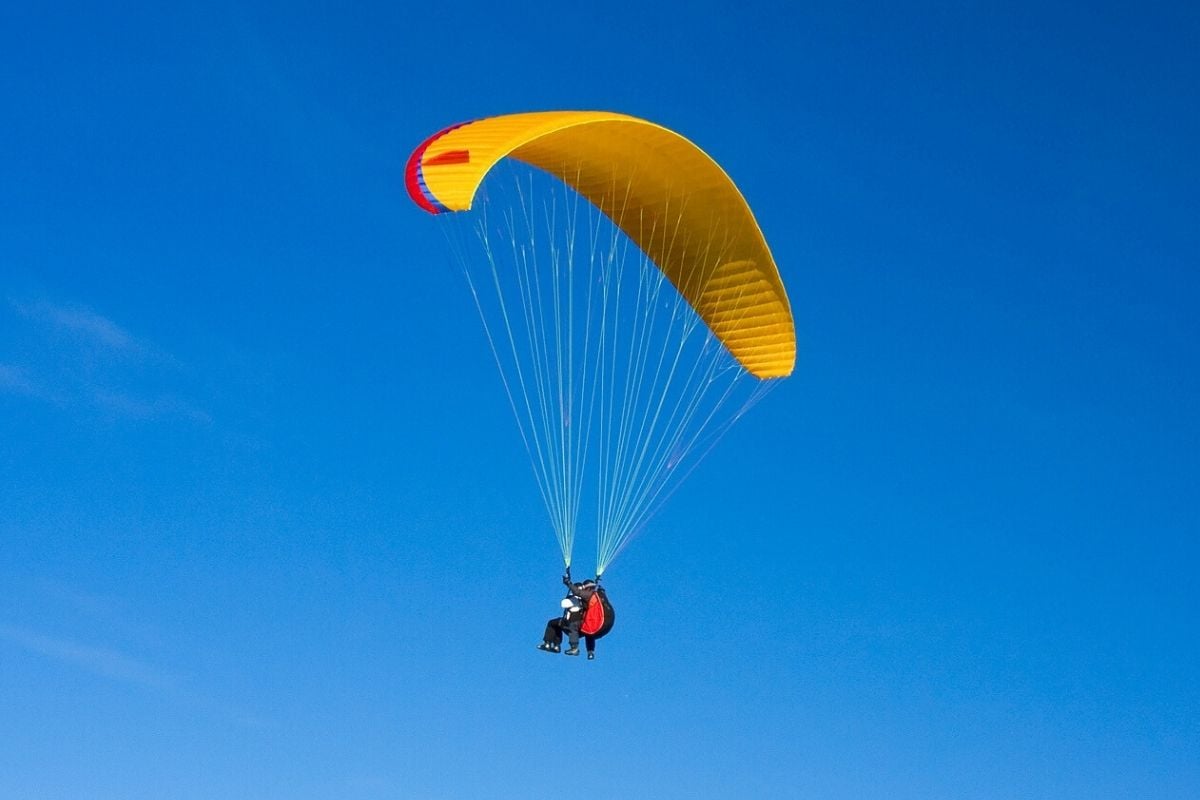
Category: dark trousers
<point>555,629</point>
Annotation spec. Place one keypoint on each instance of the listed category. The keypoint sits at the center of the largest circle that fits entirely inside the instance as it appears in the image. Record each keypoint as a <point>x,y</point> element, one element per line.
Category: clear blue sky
<point>266,526</point>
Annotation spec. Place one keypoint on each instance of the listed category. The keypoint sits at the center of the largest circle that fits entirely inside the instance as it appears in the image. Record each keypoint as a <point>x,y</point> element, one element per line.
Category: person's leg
<point>552,636</point>
<point>573,637</point>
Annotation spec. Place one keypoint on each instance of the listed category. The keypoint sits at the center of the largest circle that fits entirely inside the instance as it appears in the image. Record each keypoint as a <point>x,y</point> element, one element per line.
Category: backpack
<point>599,616</point>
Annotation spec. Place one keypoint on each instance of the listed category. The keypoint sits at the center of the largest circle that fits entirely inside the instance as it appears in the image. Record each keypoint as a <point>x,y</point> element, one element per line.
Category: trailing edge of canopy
<point>666,194</point>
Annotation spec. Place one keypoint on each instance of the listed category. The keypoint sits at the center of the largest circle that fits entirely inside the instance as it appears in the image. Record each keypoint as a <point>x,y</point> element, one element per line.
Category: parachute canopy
<point>666,194</point>
<point>627,294</point>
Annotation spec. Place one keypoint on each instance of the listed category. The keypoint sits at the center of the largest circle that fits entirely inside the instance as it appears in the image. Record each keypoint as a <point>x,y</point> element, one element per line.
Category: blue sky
<point>266,526</point>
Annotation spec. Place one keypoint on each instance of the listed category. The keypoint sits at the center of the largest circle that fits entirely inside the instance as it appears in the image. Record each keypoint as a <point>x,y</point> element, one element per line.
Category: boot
<point>591,656</point>
<point>574,651</point>
<point>549,648</point>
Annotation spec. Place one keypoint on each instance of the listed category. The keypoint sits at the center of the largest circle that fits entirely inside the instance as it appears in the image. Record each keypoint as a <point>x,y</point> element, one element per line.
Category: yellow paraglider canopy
<point>666,194</point>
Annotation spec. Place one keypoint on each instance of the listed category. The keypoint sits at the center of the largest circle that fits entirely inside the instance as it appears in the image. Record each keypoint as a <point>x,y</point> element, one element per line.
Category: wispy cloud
<point>149,407</point>
<point>101,661</point>
<point>77,357</point>
<point>115,665</point>
<point>85,323</point>
<point>82,601</point>
<point>14,381</point>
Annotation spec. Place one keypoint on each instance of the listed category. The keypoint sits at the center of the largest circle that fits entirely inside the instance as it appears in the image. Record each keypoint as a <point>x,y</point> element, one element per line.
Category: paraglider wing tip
<point>414,178</point>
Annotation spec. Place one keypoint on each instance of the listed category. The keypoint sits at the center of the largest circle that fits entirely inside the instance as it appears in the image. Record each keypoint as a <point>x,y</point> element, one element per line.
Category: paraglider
<point>629,299</point>
<point>587,612</point>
